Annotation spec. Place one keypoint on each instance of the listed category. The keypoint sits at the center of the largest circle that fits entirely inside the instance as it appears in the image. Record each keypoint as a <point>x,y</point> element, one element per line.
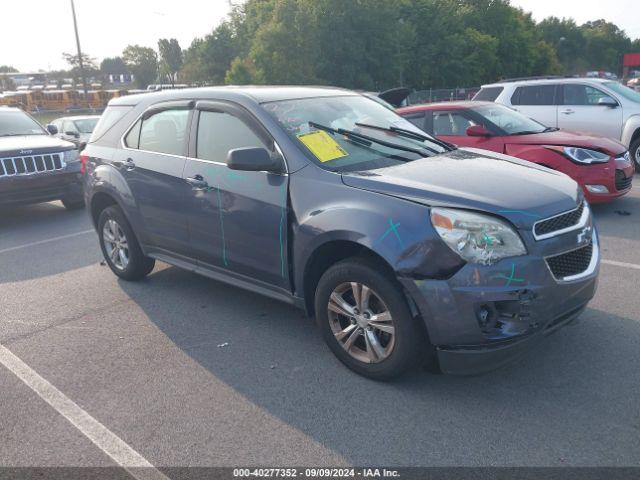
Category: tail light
<point>83,162</point>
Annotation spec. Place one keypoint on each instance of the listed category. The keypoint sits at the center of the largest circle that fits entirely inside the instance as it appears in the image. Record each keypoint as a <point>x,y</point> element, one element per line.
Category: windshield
<point>508,120</point>
<point>339,134</point>
<point>626,92</point>
<point>14,123</point>
<point>86,125</point>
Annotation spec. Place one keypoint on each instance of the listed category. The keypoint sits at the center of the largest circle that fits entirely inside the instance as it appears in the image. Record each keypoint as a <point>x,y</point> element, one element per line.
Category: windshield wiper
<point>527,132</point>
<point>550,129</point>
<point>19,134</point>
<point>359,138</point>
<point>411,134</point>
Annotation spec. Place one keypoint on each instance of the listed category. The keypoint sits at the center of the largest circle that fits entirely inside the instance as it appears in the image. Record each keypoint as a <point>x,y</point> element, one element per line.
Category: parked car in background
<point>590,105</point>
<point>601,166</point>
<point>76,129</point>
<point>36,167</point>
<point>403,247</point>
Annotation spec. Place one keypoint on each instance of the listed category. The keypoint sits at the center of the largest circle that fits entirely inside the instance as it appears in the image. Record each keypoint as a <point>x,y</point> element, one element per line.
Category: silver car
<point>76,129</point>
<point>591,105</point>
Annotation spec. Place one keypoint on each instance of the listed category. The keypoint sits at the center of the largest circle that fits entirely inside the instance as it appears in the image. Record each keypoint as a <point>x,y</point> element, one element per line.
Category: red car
<point>601,166</point>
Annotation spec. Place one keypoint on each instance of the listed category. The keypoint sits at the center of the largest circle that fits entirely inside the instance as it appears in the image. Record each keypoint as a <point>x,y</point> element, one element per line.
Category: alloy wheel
<point>116,244</point>
<point>361,322</point>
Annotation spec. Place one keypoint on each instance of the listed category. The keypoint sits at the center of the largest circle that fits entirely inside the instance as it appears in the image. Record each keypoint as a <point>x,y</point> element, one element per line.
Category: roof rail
<point>544,77</point>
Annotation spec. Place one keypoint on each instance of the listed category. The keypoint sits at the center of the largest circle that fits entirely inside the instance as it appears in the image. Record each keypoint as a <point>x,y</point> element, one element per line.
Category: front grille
<point>560,222</point>
<point>622,182</point>
<point>571,263</point>
<point>33,164</point>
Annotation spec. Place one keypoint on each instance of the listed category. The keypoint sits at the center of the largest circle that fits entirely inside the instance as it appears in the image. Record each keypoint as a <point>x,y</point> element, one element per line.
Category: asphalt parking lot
<point>186,371</point>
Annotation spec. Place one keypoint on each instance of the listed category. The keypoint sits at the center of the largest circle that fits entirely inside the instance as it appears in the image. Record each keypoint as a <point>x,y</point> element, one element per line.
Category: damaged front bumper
<point>485,316</point>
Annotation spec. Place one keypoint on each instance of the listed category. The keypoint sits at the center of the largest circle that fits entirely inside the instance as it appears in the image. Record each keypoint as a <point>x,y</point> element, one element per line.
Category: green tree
<point>170,58</point>
<point>7,69</point>
<point>113,66</point>
<point>143,63</point>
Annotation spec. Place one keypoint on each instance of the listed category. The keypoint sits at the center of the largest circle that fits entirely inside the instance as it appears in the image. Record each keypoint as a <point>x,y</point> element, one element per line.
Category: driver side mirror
<point>52,129</point>
<point>478,131</point>
<point>607,102</point>
<point>253,159</point>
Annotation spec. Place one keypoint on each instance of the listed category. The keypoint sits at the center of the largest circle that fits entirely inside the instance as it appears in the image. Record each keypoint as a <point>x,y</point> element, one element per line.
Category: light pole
<point>80,62</point>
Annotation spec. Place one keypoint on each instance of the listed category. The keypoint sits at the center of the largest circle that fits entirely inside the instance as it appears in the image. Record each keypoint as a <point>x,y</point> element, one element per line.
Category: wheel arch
<point>328,254</point>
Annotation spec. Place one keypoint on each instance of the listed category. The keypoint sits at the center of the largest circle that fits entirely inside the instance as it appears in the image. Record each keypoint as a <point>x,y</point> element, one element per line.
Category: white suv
<point>591,105</point>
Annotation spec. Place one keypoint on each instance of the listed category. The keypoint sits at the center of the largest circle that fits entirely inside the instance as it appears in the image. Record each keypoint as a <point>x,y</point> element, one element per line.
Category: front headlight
<point>71,156</point>
<point>583,155</point>
<point>475,237</point>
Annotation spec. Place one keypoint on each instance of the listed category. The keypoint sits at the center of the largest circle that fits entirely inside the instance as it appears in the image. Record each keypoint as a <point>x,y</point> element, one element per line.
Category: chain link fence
<point>442,95</point>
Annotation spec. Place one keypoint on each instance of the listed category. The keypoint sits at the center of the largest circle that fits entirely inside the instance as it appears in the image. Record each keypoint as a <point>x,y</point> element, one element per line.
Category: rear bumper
<point>485,316</point>
<point>43,187</point>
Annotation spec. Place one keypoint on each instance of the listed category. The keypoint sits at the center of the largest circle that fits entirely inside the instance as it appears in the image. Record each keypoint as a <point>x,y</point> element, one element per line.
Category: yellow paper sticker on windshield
<point>322,146</point>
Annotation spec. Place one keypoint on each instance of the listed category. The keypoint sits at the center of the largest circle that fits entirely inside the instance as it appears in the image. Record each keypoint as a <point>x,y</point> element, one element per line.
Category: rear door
<point>538,102</point>
<point>579,110</point>
<point>237,219</point>
<point>151,161</point>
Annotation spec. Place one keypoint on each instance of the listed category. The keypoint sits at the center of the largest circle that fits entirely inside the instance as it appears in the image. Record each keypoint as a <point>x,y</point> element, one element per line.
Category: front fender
<point>631,126</point>
<point>397,230</point>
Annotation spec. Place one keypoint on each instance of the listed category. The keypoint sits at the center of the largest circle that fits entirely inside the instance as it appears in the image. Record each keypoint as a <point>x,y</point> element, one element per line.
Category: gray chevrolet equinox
<point>405,249</point>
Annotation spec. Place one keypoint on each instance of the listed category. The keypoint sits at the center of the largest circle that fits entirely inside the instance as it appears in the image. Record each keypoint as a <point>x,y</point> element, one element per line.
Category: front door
<point>237,219</point>
<point>580,111</point>
<point>451,126</point>
<point>152,163</point>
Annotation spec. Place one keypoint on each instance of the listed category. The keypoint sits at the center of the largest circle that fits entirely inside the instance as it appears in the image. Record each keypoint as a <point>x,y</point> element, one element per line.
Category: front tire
<point>365,320</point>
<point>634,152</point>
<point>120,246</point>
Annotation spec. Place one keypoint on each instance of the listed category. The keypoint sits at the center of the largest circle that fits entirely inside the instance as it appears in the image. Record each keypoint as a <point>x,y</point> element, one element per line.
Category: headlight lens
<point>71,156</point>
<point>475,237</point>
<point>585,155</point>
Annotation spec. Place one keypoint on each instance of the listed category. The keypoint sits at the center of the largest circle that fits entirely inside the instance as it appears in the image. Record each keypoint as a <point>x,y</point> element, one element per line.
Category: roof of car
<point>547,81</point>
<point>258,94</point>
<point>443,106</point>
<point>79,117</point>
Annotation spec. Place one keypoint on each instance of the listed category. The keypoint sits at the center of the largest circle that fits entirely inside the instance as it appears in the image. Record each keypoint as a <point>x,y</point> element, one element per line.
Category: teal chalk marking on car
<point>224,243</point>
<point>511,278</point>
<point>521,212</point>
<point>393,227</point>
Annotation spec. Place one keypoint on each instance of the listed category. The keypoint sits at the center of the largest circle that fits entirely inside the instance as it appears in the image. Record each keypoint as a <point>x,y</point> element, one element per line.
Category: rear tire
<point>120,246</point>
<point>634,152</point>
<point>382,350</point>
<point>73,203</point>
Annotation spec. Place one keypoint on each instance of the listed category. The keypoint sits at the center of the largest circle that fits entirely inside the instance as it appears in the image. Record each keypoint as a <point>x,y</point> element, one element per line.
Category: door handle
<point>197,182</point>
<point>129,164</point>
<point>568,111</point>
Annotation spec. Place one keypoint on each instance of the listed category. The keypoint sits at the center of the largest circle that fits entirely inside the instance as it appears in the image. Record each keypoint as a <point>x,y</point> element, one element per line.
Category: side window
<point>416,118</point>
<point>488,94</point>
<point>534,95</point>
<point>450,123</point>
<point>219,132</point>
<point>165,132</point>
<point>581,95</point>
<point>133,137</point>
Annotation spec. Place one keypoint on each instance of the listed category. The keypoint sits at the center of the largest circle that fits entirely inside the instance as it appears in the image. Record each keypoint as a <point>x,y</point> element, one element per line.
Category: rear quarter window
<point>488,94</point>
<point>534,95</point>
<point>108,119</point>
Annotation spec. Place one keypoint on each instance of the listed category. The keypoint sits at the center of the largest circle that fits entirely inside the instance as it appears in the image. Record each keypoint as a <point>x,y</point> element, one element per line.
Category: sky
<point>105,32</point>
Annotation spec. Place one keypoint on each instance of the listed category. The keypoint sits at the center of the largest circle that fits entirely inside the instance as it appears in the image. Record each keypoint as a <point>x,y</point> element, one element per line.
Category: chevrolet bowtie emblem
<point>584,235</point>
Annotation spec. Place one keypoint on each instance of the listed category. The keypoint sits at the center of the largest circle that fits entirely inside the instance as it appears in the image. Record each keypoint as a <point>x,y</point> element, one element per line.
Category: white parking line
<point>101,436</point>
<point>40,242</point>
<point>621,264</point>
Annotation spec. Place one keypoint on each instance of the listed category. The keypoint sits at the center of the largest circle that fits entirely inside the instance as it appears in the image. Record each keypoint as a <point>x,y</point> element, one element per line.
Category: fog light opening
<point>597,189</point>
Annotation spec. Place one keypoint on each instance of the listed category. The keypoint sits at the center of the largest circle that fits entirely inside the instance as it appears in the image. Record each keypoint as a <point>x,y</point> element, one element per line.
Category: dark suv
<point>35,166</point>
<point>404,248</point>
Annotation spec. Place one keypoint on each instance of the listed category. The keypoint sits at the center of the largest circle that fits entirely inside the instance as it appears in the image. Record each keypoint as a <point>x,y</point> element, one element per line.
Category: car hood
<point>569,139</point>
<point>32,144</point>
<point>478,180</point>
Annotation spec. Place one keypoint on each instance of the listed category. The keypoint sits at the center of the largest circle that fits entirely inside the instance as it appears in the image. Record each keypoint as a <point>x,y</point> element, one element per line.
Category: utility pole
<point>80,62</point>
